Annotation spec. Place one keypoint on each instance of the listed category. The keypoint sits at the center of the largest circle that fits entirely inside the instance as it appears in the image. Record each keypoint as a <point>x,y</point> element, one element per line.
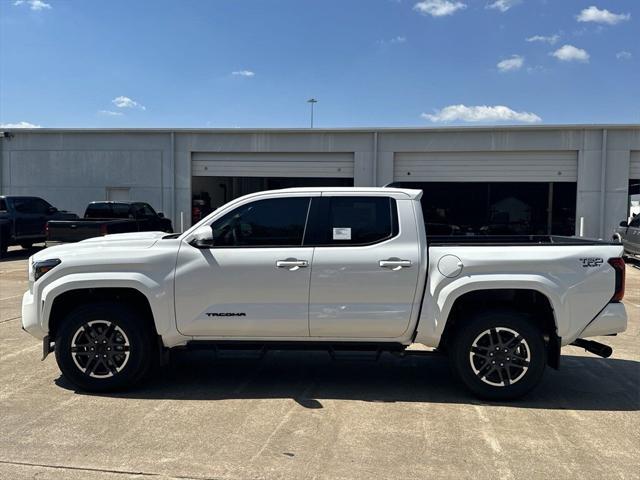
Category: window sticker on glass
<point>342,233</point>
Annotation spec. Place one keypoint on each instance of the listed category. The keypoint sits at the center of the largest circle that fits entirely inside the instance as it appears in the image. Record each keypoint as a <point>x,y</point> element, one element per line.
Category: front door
<point>254,281</point>
<point>30,217</point>
<point>365,274</point>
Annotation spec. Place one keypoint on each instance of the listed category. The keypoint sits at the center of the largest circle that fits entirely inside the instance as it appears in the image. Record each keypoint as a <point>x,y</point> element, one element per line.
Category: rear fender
<point>439,301</point>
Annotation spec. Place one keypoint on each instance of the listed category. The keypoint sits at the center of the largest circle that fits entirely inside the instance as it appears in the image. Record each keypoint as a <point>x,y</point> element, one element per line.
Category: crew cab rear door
<point>365,266</point>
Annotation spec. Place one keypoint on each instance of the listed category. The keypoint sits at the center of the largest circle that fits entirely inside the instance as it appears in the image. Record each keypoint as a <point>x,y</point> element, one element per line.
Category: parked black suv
<point>23,220</point>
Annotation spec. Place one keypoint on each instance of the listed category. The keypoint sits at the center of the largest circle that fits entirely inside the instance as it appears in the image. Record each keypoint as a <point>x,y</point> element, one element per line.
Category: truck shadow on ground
<point>582,383</point>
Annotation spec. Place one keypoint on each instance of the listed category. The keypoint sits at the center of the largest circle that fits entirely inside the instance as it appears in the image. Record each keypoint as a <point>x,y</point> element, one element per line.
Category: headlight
<point>43,266</point>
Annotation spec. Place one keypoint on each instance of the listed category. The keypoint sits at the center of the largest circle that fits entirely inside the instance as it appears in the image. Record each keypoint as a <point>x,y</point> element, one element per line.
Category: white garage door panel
<point>486,166</point>
<point>634,171</point>
<point>329,165</point>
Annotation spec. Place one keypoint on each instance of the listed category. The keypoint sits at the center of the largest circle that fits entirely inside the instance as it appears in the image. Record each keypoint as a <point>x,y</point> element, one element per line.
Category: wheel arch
<point>537,305</point>
<point>71,299</point>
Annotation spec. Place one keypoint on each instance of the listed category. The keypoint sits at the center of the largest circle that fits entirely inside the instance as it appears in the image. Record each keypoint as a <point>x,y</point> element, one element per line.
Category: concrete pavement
<point>300,415</point>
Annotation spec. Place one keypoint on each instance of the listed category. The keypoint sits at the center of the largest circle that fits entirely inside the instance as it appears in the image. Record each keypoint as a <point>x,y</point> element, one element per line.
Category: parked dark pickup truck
<point>103,218</point>
<point>23,220</point>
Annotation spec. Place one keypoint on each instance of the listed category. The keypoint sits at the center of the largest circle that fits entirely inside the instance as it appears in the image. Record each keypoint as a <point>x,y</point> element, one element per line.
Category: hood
<point>121,241</point>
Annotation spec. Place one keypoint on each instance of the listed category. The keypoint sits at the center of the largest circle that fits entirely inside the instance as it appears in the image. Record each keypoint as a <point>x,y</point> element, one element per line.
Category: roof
<point>258,130</point>
<point>411,193</point>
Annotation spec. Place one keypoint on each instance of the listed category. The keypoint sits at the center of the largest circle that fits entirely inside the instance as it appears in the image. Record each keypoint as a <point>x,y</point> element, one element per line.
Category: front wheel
<point>104,347</point>
<point>499,355</point>
<point>27,245</point>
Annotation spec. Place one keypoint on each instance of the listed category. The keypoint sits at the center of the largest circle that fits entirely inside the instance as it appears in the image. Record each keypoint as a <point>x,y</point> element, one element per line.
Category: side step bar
<point>596,348</point>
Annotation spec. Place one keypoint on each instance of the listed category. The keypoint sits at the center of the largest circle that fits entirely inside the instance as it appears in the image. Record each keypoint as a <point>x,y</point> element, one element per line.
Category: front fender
<point>440,298</point>
<point>160,301</point>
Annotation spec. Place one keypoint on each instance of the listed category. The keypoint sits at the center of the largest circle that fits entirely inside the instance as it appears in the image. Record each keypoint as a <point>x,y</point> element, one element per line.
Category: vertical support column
<point>603,180</point>
<point>363,169</point>
<point>589,185</point>
<point>172,162</point>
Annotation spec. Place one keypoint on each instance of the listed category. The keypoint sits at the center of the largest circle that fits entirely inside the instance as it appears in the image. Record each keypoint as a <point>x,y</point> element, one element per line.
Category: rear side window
<point>354,221</point>
<point>98,210</point>
<point>272,222</point>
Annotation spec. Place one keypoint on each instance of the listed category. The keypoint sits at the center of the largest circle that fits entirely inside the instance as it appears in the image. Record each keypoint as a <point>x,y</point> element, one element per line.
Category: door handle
<point>292,264</point>
<point>395,263</point>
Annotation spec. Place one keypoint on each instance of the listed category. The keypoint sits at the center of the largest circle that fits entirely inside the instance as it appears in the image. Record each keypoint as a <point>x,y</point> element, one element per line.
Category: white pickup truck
<point>341,269</point>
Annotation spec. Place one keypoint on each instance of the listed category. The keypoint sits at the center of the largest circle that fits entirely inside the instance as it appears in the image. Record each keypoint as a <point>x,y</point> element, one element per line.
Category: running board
<point>337,350</point>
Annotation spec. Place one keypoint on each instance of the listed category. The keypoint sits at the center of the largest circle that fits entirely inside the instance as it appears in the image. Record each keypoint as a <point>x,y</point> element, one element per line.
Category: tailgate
<point>72,231</point>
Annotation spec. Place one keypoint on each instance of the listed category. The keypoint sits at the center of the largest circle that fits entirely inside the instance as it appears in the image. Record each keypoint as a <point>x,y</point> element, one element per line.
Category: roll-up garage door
<point>486,167</point>
<point>314,165</point>
<point>634,171</point>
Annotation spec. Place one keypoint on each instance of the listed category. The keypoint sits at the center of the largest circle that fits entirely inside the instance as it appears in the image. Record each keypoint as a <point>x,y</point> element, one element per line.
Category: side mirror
<point>202,237</point>
<point>624,224</point>
<point>52,210</point>
<point>160,215</point>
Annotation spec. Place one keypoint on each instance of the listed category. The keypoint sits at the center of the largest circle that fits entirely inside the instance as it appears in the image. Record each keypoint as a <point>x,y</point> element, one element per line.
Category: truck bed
<point>506,240</point>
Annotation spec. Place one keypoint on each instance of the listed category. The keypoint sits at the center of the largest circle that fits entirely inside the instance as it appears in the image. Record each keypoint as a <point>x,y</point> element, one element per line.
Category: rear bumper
<point>30,321</point>
<point>612,319</point>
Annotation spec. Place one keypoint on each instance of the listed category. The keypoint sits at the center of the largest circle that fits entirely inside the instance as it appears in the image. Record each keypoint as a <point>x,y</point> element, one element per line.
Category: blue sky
<point>254,63</point>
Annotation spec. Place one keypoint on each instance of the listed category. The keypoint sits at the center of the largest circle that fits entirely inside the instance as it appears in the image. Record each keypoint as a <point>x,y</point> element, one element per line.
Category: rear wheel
<point>27,245</point>
<point>104,347</point>
<point>499,355</point>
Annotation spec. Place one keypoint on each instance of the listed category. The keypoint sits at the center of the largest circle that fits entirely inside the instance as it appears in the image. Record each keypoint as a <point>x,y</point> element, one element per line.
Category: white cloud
<point>34,4</point>
<point>624,55</point>
<point>550,39</point>
<point>594,14</point>
<point>19,125</point>
<point>569,53</point>
<point>480,113</point>
<point>393,41</point>
<point>510,64</point>
<point>439,8</point>
<point>126,102</point>
<point>243,73</point>
<point>110,113</point>
<point>503,5</point>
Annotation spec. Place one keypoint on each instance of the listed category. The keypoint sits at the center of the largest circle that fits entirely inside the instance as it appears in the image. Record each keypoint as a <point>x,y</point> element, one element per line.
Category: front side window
<point>42,206</point>
<point>25,205</point>
<point>264,223</point>
<point>360,220</point>
<point>635,222</point>
<point>120,210</point>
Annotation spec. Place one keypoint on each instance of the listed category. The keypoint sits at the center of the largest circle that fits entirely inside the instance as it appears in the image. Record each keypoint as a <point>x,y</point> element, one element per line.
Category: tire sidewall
<point>139,339</point>
<point>516,321</point>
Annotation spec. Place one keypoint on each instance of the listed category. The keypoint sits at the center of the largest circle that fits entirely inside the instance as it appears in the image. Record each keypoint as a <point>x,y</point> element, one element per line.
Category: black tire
<point>4,245</point>
<point>27,245</point>
<point>480,369</point>
<point>124,327</point>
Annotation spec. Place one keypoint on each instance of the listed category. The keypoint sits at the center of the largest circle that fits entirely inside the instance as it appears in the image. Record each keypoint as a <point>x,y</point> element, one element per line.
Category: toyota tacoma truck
<point>342,269</point>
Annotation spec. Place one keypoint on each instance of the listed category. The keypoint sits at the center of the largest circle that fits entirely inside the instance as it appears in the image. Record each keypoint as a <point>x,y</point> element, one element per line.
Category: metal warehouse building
<point>494,180</point>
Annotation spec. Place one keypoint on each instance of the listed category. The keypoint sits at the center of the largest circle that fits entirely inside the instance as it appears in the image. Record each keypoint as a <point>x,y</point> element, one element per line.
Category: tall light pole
<point>312,101</point>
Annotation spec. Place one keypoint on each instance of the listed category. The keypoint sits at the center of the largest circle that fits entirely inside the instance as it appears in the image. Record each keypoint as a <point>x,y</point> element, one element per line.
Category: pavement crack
<point>105,470</point>
<point>9,319</point>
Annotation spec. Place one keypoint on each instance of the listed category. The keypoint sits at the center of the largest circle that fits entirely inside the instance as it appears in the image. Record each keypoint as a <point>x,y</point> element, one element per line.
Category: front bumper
<point>30,319</point>
<point>612,319</point>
